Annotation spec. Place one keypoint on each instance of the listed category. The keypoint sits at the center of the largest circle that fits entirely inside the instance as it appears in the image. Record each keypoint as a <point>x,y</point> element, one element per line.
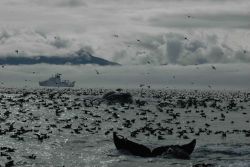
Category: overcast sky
<point>186,37</point>
<point>184,32</point>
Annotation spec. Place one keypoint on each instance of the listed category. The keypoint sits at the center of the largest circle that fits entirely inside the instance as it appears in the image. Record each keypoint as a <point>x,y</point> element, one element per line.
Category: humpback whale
<point>118,97</point>
<point>176,151</point>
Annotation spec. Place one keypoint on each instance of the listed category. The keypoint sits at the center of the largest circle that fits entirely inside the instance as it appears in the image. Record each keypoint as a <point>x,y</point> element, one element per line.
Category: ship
<point>56,81</point>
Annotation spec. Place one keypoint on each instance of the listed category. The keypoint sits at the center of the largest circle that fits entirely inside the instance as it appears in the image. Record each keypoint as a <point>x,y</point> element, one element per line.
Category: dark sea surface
<point>67,127</point>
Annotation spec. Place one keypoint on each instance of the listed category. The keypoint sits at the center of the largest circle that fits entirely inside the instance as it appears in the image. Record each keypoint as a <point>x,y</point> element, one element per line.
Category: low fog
<point>211,77</point>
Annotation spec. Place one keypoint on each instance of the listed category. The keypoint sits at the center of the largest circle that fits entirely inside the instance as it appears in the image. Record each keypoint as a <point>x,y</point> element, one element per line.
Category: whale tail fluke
<point>189,148</point>
<point>122,143</point>
<point>177,151</point>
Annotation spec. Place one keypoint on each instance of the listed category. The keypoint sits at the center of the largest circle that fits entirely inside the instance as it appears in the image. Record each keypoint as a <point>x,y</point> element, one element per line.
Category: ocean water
<point>75,132</point>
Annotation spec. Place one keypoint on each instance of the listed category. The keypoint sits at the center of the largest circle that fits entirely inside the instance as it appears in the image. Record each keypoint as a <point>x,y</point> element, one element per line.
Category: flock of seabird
<point>153,113</point>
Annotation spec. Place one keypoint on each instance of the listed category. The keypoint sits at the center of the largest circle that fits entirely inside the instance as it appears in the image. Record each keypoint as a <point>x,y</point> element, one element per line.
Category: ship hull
<point>72,84</point>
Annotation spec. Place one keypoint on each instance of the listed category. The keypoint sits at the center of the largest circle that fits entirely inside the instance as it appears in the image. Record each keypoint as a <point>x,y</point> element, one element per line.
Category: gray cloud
<point>61,43</point>
<point>4,35</point>
<point>215,31</point>
<point>72,3</point>
<point>242,56</point>
<point>35,42</point>
<point>54,3</point>
<point>169,48</point>
<point>195,45</point>
<point>202,20</point>
<point>175,48</point>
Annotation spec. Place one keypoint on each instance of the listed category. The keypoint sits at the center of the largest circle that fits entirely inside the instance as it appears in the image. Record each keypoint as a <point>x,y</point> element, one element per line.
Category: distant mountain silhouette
<point>77,58</point>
